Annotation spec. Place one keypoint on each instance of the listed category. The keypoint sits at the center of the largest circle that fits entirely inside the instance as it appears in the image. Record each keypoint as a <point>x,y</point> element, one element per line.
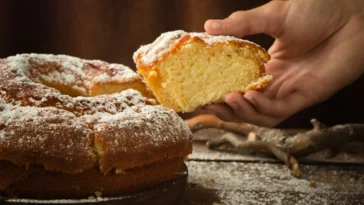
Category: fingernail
<point>216,25</point>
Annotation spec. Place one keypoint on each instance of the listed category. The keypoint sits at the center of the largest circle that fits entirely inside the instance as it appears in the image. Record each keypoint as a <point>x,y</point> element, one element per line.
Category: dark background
<point>111,30</point>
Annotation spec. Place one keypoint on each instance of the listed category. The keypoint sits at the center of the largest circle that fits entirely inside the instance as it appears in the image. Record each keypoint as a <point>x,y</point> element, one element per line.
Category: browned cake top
<point>166,43</point>
<point>155,131</point>
<point>20,83</point>
<point>48,136</point>
<point>75,73</point>
<point>41,125</point>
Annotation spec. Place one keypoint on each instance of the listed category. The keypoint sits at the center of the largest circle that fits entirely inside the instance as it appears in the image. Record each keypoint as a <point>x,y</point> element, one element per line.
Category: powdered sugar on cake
<point>38,119</point>
<point>160,46</point>
<point>210,39</point>
<point>140,128</point>
<point>155,120</point>
<point>45,133</point>
<point>67,70</point>
<point>149,53</point>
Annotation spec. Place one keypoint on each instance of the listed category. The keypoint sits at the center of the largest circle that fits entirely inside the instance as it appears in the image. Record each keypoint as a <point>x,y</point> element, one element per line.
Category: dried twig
<point>246,146</point>
<point>298,144</point>
<point>280,142</point>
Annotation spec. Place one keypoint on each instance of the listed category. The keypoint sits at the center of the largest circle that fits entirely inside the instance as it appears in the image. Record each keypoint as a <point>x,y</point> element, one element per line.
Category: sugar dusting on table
<point>267,183</point>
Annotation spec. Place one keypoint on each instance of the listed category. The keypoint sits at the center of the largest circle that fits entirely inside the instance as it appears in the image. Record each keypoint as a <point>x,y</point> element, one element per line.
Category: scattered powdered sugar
<point>151,52</point>
<point>281,198</point>
<point>270,183</point>
<point>243,176</point>
<point>90,200</point>
<point>203,153</point>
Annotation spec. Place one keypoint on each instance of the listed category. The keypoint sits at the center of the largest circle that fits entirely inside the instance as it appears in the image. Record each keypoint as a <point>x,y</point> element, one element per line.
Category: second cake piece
<point>189,70</point>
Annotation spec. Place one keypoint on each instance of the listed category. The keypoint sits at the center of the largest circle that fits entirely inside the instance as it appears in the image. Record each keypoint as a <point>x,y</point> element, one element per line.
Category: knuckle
<point>241,23</point>
<point>236,14</point>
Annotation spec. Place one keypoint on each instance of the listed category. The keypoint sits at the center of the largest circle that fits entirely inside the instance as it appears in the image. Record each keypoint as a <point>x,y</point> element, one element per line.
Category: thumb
<point>268,19</point>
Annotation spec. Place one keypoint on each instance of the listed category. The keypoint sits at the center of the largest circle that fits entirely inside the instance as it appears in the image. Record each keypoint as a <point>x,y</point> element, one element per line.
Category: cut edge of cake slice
<point>188,70</point>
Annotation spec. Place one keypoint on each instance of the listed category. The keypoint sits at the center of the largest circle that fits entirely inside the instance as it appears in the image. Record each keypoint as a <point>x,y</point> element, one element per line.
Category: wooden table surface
<point>228,178</point>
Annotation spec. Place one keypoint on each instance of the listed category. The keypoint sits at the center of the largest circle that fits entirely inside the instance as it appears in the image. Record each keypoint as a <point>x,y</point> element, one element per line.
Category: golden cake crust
<point>35,182</point>
<point>108,133</point>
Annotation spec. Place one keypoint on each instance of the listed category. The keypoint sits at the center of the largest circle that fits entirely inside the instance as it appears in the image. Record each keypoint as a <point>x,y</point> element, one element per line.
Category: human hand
<point>318,50</point>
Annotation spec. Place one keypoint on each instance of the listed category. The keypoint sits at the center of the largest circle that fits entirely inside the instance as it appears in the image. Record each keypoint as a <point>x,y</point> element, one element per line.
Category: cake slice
<point>189,70</point>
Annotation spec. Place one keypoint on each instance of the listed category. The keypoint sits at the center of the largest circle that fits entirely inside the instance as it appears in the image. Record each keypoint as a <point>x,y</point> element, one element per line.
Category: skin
<point>318,50</point>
